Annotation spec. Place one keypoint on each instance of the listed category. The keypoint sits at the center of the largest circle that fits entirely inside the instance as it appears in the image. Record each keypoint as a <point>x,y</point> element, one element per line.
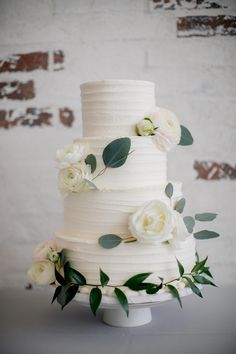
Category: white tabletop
<point>29,324</point>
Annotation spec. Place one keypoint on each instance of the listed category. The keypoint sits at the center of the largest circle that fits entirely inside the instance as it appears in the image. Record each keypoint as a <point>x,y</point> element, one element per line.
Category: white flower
<point>145,127</point>
<point>42,272</point>
<point>73,178</point>
<point>70,155</point>
<point>42,250</point>
<point>152,223</point>
<point>168,131</point>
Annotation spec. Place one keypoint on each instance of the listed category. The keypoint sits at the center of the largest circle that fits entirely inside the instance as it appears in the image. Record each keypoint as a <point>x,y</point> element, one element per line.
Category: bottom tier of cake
<point>128,259</point>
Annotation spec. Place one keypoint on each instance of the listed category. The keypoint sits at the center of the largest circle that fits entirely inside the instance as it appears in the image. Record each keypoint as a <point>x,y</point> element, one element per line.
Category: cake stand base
<point>118,318</point>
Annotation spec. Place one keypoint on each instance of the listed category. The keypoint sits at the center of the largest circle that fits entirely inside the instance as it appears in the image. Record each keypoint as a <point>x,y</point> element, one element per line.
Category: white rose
<point>152,223</point>
<point>70,155</point>
<point>168,131</point>
<point>42,272</point>
<point>180,232</point>
<point>145,127</point>
<point>73,178</point>
<point>42,250</point>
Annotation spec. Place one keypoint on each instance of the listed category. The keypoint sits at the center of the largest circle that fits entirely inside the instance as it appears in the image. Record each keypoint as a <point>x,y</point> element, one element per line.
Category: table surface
<point>30,324</point>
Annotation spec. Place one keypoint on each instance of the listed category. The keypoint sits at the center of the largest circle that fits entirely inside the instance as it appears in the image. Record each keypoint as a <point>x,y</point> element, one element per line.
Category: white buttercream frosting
<point>145,165</point>
<point>113,107</point>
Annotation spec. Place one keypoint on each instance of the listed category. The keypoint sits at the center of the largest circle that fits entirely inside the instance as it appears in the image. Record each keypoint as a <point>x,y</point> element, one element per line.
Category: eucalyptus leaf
<point>56,293</point>
<point>205,234</point>
<point>205,216</point>
<point>179,206</point>
<point>95,298</point>
<point>169,190</point>
<point>91,160</point>
<point>66,294</point>
<point>186,137</point>
<point>202,280</point>
<point>189,223</point>
<point>90,184</point>
<point>73,276</point>
<point>181,267</point>
<point>134,283</point>
<point>104,278</point>
<point>193,287</point>
<point>115,154</point>
<point>109,241</point>
<point>173,290</point>
<point>121,297</point>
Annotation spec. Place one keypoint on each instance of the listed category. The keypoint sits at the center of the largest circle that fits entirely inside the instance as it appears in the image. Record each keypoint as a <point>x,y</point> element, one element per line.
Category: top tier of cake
<point>112,108</point>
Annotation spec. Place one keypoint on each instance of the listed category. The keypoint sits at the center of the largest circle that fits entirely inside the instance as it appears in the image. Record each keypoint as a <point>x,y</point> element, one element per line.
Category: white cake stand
<point>139,308</point>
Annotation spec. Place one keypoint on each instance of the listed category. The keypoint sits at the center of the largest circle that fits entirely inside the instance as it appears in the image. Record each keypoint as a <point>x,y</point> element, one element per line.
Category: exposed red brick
<point>66,116</point>
<point>211,170</point>
<point>17,90</point>
<point>58,60</point>
<point>206,26</point>
<point>24,62</point>
<point>29,117</point>
<point>186,4</point>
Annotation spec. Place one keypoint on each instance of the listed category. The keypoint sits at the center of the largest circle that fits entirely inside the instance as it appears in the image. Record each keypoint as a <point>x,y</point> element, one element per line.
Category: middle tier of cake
<point>145,165</point>
<point>91,214</point>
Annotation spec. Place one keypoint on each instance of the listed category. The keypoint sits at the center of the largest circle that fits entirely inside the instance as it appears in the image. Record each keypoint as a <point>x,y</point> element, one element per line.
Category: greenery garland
<point>72,280</point>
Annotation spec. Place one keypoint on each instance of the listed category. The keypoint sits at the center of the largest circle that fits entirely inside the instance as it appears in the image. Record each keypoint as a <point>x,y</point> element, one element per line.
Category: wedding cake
<point>123,220</point>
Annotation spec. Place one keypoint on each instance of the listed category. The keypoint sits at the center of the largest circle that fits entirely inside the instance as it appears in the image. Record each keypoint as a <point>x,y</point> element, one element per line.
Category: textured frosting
<point>128,259</point>
<point>145,166</point>
<point>91,214</point>
<point>113,107</point>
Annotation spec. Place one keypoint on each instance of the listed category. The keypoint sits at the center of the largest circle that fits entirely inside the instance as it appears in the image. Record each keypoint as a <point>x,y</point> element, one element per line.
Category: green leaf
<point>199,265</point>
<point>90,183</point>
<point>122,300</point>
<point>205,216</point>
<point>205,234</point>
<point>91,160</point>
<point>95,298</point>
<point>189,223</point>
<point>181,267</point>
<point>56,293</point>
<point>179,206</point>
<point>174,293</point>
<point>186,137</point>
<point>169,190</point>
<point>59,277</point>
<point>193,287</point>
<point>153,288</point>
<point>115,154</point>
<point>109,241</point>
<point>197,256</point>
<point>136,282</point>
<point>62,257</point>
<point>104,278</point>
<point>66,294</point>
<point>73,276</point>
<point>205,270</point>
<point>202,280</point>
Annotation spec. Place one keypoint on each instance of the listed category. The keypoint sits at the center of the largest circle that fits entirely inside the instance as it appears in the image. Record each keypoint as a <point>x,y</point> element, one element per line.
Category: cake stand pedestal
<point>139,308</point>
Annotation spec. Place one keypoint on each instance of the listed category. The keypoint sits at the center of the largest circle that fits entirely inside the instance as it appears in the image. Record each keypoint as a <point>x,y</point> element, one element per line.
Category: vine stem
<point>100,173</point>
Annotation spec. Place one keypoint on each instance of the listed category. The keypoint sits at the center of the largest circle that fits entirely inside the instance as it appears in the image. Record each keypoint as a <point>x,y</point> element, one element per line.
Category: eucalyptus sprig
<point>72,280</point>
<point>114,155</point>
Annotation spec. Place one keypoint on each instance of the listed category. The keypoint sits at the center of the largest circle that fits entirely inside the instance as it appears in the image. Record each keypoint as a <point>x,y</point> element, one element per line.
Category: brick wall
<point>48,48</point>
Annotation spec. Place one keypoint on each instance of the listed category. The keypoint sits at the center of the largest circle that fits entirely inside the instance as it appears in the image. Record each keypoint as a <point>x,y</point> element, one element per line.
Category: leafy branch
<point>71,281</point>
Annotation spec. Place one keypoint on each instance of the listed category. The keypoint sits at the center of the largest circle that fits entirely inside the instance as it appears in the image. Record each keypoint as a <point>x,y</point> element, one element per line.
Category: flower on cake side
<point>165,128</point>
<point>78,169</point>
<point>45,256</point>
